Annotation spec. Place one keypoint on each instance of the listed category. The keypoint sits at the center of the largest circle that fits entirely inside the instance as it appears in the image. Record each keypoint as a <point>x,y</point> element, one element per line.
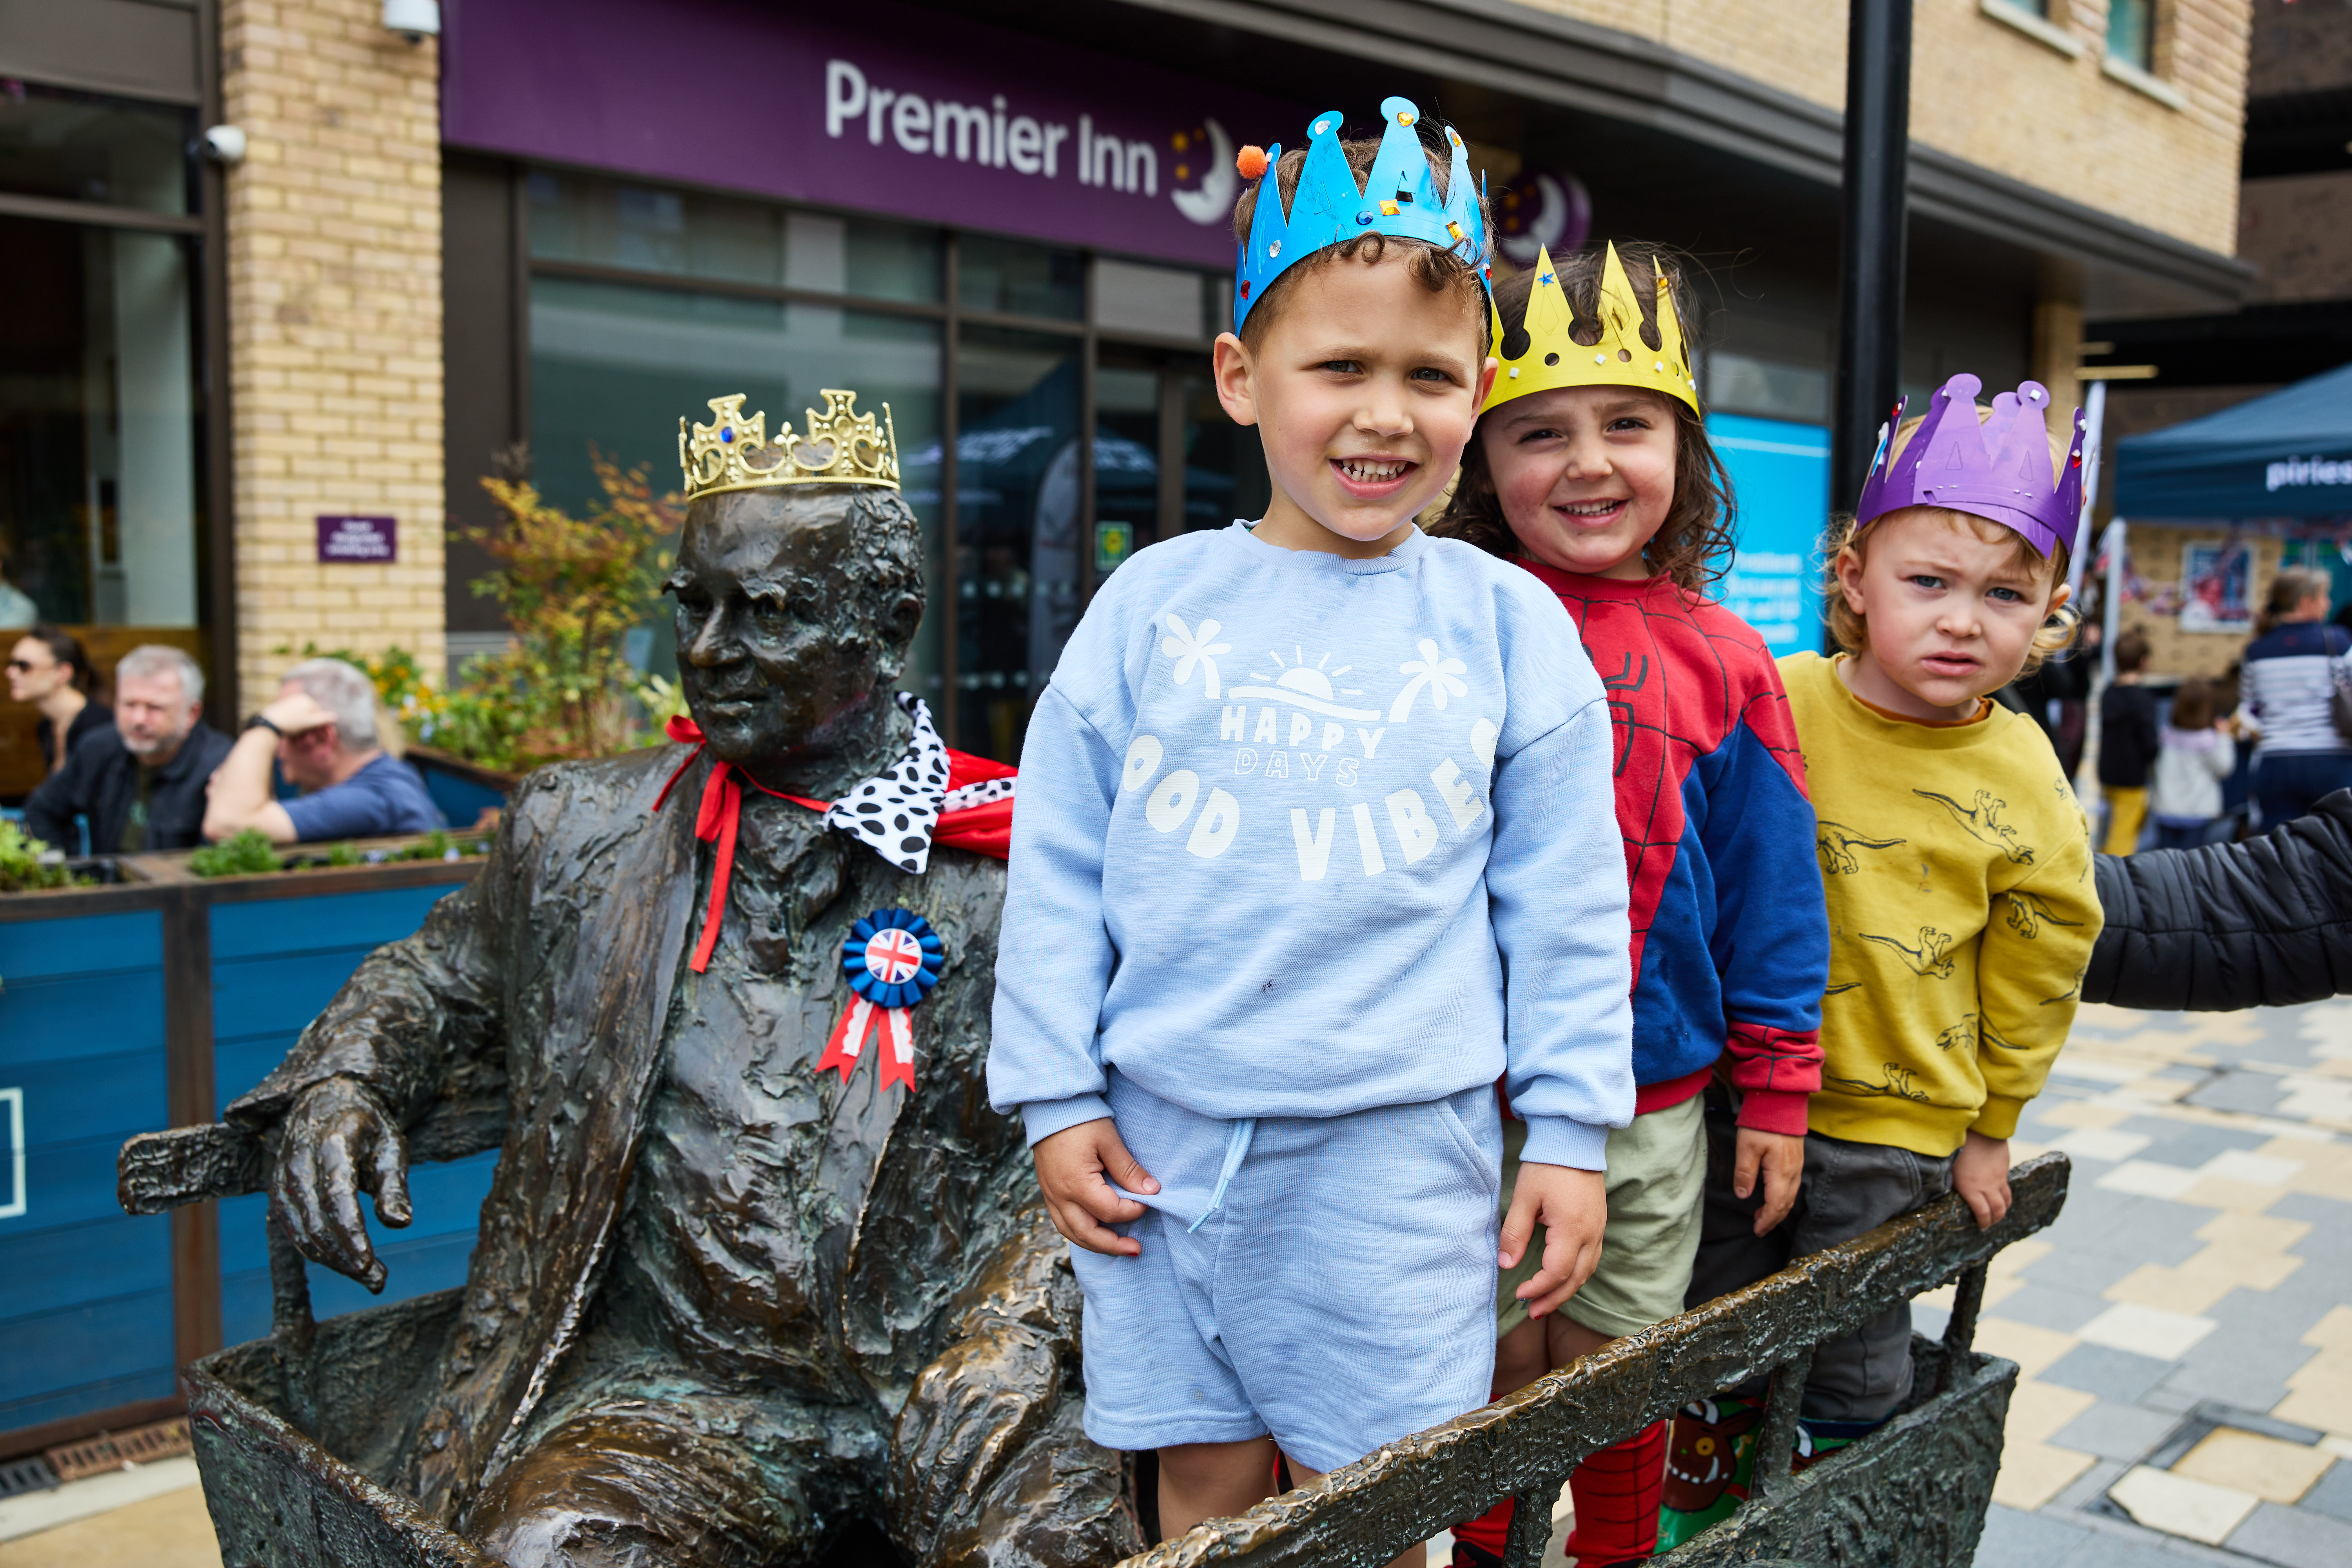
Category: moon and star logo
<point>1205,153</point>
<point>1540,211</point>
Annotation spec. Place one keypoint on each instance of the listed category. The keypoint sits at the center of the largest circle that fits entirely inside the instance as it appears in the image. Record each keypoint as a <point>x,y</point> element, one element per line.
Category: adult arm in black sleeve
<point>2265,923</point>
<point>49,810</point>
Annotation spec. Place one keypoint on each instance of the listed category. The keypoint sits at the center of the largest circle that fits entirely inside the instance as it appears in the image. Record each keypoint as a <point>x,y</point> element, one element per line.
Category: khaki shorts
<point>1657,1175</point>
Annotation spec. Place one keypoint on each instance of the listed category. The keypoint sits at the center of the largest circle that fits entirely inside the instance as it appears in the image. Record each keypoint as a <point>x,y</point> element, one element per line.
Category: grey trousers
<point>1848,1188</point>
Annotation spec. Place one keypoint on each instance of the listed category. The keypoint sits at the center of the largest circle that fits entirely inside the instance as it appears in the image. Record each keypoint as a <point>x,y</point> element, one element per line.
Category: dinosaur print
<point>2072,991</point>
<point>1931,960</point>
<point>1963,1033</point>
<point>2028,911</point>
<point>1842,987</point>
<point>1984,823</point>
<point>1837,843</point>
<point>1992,1037</point>
<point>1898,1085</point>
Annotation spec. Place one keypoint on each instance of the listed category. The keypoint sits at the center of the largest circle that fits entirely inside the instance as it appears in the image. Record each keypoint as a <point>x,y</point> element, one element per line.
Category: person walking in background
<point>2195,755</point>
<point>2127,744</point>
<point>2294,669</point>
<point>48,669</point>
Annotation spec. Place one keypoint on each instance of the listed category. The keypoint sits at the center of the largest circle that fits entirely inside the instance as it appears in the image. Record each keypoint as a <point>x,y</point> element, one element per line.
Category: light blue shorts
<point>1340,1297</point>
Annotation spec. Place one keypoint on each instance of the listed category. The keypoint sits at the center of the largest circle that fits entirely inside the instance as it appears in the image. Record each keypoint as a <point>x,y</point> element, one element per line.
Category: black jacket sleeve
<point>50,809</point>
<point>2265,923</point>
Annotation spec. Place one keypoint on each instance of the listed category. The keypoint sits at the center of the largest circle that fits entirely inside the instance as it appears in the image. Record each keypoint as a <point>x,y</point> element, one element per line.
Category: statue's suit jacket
<point>545,983</point>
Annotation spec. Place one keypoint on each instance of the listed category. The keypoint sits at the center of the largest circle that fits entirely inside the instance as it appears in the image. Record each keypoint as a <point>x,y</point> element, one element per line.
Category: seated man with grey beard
<point>140,782</point>
<point>725,1302</point>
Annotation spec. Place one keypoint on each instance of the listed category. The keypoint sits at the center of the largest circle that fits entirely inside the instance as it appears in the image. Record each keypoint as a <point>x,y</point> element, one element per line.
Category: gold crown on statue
<point>840,447</point>
<point>1619,358</point>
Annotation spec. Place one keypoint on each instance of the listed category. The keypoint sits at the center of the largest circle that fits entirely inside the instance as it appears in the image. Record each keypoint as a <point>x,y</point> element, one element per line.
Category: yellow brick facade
<point>334,286</point>
<point>2005,99</point>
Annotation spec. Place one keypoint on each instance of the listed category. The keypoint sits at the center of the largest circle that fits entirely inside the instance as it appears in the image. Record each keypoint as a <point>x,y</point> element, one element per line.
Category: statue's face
<point>782,647</point>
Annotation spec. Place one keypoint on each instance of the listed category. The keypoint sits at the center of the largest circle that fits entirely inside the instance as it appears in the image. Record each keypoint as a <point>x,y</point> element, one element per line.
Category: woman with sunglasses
<point>49,670</point>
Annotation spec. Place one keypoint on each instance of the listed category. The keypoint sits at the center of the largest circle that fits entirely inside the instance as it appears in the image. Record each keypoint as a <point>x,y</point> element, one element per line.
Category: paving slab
<point>2117,1375</point>
<point>2296,1537</point>
<point>2332,1493</point>
<point>2113,1431</point>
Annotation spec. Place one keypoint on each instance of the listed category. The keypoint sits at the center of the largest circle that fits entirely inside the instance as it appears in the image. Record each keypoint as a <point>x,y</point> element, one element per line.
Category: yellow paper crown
<point>842,446</point>
<point>1620,358</point>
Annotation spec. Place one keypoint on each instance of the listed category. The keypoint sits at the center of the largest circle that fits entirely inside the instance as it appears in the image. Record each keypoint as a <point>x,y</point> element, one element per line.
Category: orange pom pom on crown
<point>1251,162</point>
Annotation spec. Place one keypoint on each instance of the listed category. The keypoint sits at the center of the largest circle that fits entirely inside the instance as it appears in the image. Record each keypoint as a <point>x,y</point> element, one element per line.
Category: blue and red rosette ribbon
<point>891,959</point>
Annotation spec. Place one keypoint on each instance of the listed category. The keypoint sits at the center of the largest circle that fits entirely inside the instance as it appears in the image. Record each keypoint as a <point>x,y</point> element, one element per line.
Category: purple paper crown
<point>1997,470</point>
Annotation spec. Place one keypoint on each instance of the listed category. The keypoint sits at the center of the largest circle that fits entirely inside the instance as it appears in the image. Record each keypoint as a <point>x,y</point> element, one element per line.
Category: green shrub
<point>248,854</point>
<point>22,868</point>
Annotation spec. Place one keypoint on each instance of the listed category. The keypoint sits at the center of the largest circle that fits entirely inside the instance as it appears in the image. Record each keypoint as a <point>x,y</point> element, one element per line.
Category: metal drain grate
<point>30,1475</point>
<point>111,1451</point>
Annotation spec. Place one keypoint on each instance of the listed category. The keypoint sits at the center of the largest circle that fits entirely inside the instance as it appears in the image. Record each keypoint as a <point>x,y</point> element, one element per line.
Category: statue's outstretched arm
<point>988,1463</point>
<point>417,1031</point>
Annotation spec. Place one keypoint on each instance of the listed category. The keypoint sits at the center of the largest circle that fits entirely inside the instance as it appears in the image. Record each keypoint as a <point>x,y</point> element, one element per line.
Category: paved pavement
<point>2184,1329</point>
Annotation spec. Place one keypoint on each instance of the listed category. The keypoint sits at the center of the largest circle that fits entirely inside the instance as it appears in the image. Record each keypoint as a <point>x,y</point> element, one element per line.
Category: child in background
<point>1956,862</point>
<point>2196,754</point>
<point>2127,744</point>
<point>1300,795</point>
<point>1592,469</point>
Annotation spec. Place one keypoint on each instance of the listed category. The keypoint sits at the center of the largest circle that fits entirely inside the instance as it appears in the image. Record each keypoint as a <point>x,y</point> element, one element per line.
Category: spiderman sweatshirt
<point>1302,835</point>
<point>1958,874</point>
<point>1730,950</point>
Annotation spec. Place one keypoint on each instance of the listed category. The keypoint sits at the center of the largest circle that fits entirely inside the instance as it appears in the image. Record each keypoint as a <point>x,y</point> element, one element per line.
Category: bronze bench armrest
<point>159,1171</point>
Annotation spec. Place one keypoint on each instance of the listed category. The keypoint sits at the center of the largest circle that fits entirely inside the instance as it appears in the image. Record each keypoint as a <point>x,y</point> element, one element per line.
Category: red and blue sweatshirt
<point>1731,942</point>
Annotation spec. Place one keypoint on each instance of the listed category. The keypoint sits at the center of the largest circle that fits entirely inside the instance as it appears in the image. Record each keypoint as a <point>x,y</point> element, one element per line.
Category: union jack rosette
<point>891,959</point>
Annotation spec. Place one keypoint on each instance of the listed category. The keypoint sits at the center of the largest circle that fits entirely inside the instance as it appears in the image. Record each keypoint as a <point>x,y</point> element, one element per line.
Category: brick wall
<point>334,281</point>
<point>2007,100</point>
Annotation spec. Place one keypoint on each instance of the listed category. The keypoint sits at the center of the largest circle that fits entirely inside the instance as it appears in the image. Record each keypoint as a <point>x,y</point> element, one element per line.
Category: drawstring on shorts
<point>1237,1147</point>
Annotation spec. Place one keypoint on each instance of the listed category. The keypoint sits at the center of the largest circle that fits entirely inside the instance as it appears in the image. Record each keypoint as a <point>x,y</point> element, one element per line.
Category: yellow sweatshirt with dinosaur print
<point>1957,869</point>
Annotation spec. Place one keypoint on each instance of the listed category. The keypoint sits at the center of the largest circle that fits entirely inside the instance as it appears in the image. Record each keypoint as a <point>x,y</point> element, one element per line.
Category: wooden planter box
<point>149,1003</point>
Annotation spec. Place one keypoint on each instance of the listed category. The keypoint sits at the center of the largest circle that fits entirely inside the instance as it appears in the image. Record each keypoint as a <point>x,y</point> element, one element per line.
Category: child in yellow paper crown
<point>1591,468</point>
<point>1955,860</point>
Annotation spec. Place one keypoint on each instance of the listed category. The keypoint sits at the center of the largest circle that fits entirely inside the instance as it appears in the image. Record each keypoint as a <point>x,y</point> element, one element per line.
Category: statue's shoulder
<point>603,791</point>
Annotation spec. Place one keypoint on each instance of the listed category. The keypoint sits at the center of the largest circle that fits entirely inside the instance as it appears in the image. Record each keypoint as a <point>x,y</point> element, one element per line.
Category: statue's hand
<point>336,1143</point>
<point>971,1413</point>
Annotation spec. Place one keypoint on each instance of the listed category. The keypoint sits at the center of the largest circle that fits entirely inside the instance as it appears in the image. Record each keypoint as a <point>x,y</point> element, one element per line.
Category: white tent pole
<point>2094,419</point>
<point>2118,542</point>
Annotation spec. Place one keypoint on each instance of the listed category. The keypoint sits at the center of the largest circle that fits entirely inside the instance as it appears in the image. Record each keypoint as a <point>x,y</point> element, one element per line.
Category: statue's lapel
<point>571,1140</point>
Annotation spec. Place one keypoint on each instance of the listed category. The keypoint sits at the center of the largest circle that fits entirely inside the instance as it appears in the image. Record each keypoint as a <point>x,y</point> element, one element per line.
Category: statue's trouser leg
<point>640,1485</point>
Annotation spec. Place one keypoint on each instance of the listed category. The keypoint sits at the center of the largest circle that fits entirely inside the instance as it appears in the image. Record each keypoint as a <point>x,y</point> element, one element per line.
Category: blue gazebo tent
<point>2287,454</point>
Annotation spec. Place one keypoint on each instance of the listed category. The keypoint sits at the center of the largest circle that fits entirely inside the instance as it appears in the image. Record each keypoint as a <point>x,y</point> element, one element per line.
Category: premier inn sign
<point>877,108</point>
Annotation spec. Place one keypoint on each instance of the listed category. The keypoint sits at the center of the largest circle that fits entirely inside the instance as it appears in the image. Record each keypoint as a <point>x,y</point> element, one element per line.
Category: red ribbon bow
<point>984,829</point>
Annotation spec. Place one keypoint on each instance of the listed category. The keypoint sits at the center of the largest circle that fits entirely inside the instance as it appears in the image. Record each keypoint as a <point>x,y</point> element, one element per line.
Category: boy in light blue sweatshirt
<point>1315,845</point>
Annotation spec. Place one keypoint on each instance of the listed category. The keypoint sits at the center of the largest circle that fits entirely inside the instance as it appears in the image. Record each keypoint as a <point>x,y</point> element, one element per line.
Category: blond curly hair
<point>1850,629</point>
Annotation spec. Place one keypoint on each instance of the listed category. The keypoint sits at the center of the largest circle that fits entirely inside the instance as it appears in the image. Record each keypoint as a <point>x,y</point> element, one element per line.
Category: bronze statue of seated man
<point>724,1301</point>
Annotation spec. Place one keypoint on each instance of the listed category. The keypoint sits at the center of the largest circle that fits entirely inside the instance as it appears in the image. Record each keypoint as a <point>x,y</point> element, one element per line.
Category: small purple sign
<point>875,106</point>
<point>370,540</point>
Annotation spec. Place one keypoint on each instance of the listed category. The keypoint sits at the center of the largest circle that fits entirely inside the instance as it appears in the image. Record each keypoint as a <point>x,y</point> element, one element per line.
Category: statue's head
<point>799,581</point>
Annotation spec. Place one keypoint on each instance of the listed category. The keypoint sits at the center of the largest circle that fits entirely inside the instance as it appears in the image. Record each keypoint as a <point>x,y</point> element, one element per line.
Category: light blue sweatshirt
<point>1302,835</point>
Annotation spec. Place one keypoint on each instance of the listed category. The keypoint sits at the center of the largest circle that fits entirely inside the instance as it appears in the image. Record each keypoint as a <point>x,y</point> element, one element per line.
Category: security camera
<point>225,144</point>
<point>416,20</point>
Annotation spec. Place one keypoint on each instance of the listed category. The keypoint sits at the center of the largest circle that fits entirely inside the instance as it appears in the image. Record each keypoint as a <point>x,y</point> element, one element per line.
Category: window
<point>2131,32</point>
<point>99,454</point>
<point>647,301</point>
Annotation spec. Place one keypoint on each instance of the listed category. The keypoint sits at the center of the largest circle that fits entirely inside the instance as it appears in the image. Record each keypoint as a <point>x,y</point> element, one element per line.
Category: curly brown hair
<point>1439,270</point>
<point>1694,547</point>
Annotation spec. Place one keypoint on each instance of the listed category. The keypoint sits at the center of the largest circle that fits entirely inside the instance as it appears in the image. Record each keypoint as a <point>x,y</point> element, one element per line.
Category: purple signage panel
<point>369,541</point>
<point>875,106</point>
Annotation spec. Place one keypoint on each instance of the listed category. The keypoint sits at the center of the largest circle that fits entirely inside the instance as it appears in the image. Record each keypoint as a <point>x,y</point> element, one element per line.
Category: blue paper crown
<point>1399,197</point>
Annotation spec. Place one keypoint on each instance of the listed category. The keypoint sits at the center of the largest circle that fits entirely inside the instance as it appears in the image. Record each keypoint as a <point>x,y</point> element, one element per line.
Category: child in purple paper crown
<point>1957,866</point>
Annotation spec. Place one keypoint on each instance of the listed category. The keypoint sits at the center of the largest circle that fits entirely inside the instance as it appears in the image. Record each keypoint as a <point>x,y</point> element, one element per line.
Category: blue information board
<point>1780,475</point>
